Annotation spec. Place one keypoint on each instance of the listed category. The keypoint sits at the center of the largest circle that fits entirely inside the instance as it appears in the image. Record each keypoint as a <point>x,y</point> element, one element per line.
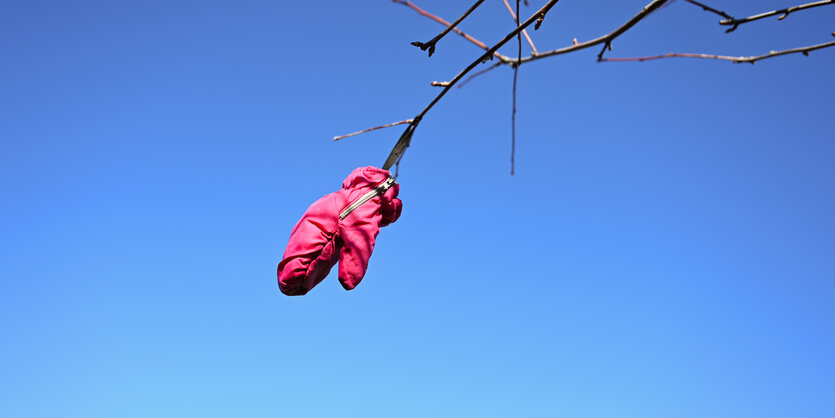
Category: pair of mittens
<point>340,227</point>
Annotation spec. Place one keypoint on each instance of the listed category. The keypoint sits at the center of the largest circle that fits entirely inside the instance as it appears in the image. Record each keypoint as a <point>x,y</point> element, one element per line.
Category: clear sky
<point>665,249</point>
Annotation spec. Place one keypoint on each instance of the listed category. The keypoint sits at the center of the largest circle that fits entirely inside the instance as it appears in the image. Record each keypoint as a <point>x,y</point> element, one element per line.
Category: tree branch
<point>605,39</point>
<point>802,50</point>
<point>486,70</point>
<point>406,137</point>
<point>710,9</point>
<point>734,23</point>
<point>431,44</point>
<point>449,25</point>
<point>515,78</point>
<point>337,138</point>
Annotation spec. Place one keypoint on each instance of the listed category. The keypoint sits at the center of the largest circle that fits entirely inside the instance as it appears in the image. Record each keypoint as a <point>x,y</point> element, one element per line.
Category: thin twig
<point>734,23</point>
<point>619,31</point>
<point>431,44</point>
<point>454,29</point>
<point>524,32</point>
<point>710,9</point>
<point>513,124</point>
<point>474,75</point>
<point>515,78</point>
<point>406,137</point>
<point>605,39</point>
<point>337,138</point>
<point>802,50</point>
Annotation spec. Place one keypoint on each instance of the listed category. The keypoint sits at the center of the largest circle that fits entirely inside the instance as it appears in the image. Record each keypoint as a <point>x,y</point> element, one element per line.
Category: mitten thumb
<point>390,206</point>
<point>358,244</point>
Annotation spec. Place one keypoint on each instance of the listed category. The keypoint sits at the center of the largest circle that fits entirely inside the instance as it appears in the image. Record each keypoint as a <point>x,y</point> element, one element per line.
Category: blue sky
<point>666,248</point>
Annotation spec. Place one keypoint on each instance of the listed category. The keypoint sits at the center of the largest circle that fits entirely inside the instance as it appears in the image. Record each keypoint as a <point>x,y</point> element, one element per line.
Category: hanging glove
<point>341,226</point>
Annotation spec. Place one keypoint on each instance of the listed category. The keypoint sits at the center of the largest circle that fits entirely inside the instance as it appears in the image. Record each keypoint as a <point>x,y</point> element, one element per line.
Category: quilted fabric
<point>321,238</point>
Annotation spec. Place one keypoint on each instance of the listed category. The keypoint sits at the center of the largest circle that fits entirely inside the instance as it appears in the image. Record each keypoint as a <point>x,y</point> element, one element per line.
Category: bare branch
<point>710,9</point>
<point>406,137</point>
<point>337,138</point>
<point>802,50</point>
<point>734,23</point>
<point>605,39</point>
<point>486,70</point>
<point>449,25</point>
<point>524,32</point>
<point>431,44</point>
<point>515,78</point>
<point>513,124</point>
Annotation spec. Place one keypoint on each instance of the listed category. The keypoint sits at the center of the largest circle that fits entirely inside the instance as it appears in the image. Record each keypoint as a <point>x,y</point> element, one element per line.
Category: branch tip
<point>449,26</point>
<point>783,13</point>
<point>337,138</point>
<point>736,60</point>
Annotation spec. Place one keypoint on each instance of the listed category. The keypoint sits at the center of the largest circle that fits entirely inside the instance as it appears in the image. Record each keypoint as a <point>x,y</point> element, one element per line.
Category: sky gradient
<point>665,249</point>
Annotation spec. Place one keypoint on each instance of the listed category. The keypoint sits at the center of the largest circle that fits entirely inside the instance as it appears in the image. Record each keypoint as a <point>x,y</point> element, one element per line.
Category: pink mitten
<point>341,226</point>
